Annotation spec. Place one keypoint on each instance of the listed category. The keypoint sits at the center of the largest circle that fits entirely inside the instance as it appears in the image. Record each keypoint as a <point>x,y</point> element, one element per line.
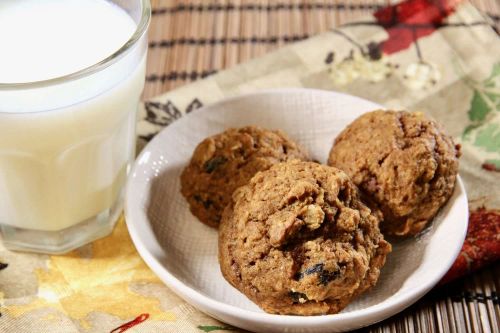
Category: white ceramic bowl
<point>183,252</point>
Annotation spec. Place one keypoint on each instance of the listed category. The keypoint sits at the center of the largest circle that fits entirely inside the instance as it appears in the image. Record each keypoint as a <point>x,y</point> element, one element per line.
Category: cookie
<point>223,162</point>
<point>403,162</point>
<point>297,240</point>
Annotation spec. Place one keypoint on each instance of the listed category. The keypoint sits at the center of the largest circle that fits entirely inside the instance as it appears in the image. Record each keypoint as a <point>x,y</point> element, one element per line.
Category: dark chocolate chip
<point>296,296</point>
<point>324,275</point>
<point>318,268</point>
<point>214,163</point>
<point>3,265</point>
<point>206,203</point>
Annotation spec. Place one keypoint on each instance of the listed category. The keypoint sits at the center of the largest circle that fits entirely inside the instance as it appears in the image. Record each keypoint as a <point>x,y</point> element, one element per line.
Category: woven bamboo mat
<point>192,39</point>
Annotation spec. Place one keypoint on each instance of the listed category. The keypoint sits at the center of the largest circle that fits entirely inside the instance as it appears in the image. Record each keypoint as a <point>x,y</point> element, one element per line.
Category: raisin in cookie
<point>224,162</point>
<point>403,162</point>
<point>297,240</point>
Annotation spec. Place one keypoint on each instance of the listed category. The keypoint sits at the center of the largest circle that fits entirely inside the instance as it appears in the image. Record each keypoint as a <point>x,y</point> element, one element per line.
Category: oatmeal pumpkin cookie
<point>404,163</point>
<point>224,162</point>
<point>297,240</point>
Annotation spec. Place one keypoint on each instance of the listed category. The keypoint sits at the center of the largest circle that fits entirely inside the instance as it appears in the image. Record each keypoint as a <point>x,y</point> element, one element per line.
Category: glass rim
<point>106,62</point>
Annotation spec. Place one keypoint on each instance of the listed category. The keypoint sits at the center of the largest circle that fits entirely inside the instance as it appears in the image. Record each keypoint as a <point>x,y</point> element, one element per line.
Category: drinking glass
<point>66,145</point>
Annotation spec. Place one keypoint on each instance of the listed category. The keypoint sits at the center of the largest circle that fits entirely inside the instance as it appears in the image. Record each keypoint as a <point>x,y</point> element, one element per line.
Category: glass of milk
<point>71,76</point>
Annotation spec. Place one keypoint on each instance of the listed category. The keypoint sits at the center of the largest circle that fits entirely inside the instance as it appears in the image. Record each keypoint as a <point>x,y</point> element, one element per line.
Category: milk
<point>65,147</point>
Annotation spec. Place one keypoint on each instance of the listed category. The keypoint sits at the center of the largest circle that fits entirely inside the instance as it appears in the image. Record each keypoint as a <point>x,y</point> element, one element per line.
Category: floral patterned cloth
<point>440,57</point>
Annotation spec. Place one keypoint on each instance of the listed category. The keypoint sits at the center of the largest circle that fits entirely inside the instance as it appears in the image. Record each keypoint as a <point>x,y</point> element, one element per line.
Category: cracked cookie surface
<point>223,162</point>
<point>297,240</point>
<point>403,162</point>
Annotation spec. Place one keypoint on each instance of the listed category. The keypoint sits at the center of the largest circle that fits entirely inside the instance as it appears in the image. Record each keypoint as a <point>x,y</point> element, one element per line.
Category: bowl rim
<point>204,302</point>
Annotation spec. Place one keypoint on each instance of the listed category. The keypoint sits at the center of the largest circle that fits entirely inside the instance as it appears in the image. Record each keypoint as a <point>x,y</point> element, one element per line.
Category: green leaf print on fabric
<point>483,131</point>
<point>479,108</point>
<point>488,137</point>
<point>486,95</point>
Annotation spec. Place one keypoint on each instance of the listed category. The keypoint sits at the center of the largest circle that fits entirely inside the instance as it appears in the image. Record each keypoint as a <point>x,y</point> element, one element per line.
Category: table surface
<point>192,39</point>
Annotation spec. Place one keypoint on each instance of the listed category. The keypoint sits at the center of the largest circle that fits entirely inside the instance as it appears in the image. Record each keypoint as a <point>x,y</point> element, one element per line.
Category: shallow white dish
<point>183,251</point>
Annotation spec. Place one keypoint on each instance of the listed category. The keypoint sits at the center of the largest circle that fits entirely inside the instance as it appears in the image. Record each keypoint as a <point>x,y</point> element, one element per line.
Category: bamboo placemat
<point>193,39</point>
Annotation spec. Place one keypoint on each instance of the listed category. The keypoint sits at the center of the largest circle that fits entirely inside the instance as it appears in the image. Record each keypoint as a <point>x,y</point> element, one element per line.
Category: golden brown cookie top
<point>225,161</point>
<point>297,240</point>
<point>401,160</point>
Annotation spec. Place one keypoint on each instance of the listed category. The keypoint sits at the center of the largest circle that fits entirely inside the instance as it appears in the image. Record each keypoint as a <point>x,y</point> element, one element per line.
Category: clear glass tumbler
<point>66,145</point>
